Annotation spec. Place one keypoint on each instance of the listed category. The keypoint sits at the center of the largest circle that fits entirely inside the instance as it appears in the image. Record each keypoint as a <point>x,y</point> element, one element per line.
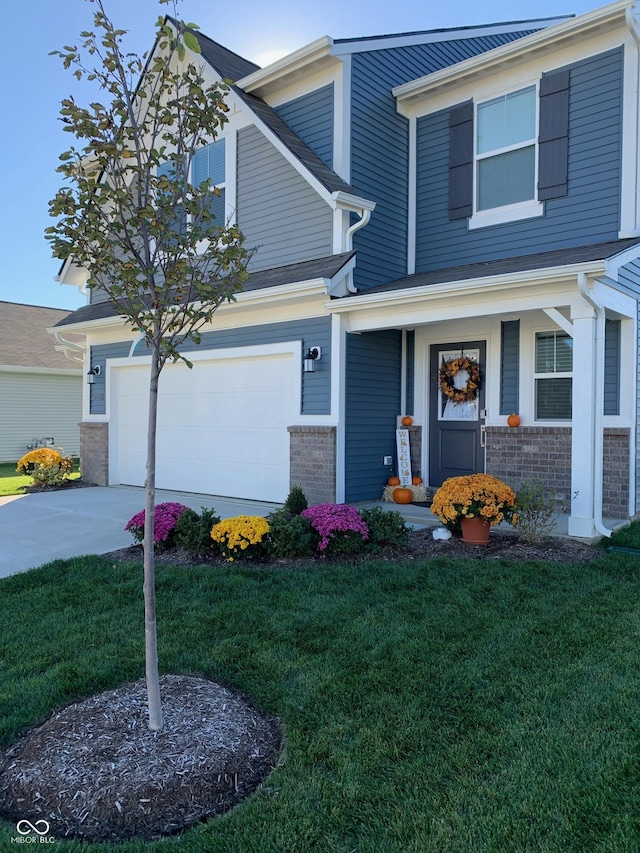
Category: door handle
<point>483,430</point>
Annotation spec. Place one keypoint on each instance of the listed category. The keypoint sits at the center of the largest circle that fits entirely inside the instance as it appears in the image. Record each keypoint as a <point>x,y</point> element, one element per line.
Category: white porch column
<point>581,519</point>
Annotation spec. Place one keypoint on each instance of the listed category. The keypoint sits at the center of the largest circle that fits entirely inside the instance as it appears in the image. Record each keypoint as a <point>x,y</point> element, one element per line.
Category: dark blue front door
<point>455,429</point>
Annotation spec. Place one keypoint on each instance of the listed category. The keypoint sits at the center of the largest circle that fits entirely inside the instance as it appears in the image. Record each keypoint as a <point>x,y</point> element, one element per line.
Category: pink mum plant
<point>339,526</point>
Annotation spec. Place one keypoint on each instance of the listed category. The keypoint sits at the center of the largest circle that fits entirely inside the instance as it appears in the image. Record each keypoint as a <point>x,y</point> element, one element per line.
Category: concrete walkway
<point>38,528</point>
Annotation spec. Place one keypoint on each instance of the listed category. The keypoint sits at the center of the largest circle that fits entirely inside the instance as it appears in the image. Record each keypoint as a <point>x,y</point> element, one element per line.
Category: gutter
<point>68,347</point>
<point>597,450</point>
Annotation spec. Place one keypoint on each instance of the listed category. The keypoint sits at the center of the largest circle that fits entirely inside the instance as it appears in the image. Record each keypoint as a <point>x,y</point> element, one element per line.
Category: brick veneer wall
<point>544,453</point>
<point>94,453</point>
<point>616,461</point>
<point>312,459</point>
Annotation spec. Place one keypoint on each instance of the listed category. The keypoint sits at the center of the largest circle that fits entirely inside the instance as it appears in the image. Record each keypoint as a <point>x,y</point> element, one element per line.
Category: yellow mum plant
<point>241,534</point>
<point>41,456</point>
<point>474,496</point>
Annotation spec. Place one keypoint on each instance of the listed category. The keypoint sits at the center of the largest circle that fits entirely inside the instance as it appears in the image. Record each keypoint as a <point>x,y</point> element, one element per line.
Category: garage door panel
<point>222,426</point>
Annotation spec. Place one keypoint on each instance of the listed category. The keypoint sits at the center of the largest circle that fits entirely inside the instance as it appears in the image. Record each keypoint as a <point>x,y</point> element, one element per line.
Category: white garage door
<point>222,426</point>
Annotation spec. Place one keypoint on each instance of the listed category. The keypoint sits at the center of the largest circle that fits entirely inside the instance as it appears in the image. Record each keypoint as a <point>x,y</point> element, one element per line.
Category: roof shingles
<point>24,341</point>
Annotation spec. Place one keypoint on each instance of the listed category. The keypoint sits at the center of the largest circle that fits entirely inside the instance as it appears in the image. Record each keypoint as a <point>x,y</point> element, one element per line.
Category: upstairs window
<point>553,376</point>
<point>509,155</point>
<point>209,162</point>
<point>506,150</point>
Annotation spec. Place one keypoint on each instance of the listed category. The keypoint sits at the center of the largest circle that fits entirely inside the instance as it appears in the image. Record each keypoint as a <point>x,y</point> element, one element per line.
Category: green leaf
<point>192,42</point>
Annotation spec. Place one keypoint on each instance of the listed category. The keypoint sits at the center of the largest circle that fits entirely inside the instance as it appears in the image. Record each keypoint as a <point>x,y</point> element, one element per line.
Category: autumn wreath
<point>450,369</point>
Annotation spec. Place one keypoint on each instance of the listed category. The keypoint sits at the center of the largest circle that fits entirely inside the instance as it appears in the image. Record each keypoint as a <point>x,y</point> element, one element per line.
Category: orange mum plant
<point>474,496</point>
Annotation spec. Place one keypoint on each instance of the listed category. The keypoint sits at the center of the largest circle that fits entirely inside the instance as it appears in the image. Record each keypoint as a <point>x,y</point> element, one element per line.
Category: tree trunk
<point>150,627</point>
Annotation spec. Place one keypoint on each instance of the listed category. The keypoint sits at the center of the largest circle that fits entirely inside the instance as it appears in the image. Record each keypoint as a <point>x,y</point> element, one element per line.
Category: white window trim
<point>556,375</point>
<point>528,209</point>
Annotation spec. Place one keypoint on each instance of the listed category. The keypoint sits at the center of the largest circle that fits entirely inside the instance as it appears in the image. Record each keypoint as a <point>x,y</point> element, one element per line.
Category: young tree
<point>129,215</point>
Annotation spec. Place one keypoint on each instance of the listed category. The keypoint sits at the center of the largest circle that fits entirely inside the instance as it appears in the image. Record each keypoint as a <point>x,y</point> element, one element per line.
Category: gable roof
<point>24,340</point>
<point>233,67</point>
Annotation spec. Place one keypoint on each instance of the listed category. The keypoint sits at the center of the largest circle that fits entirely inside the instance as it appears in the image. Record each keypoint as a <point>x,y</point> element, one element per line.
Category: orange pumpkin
<point>393,481</point>
<point>402,496</point>
<point>417,481</point>
<point>407,420</point>
<point>513,420</point>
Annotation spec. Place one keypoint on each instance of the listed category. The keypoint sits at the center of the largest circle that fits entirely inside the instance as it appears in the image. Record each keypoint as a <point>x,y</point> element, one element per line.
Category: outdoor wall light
<point>309,362</point>
<point>91,375</point>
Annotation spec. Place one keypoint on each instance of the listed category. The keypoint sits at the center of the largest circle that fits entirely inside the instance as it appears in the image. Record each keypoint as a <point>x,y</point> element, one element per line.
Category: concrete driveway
<point>38,528</point>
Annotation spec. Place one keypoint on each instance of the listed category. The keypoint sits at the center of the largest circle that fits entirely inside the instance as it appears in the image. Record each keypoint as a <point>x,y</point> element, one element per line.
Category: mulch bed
<point>95,771</point>
<point>503,544</point>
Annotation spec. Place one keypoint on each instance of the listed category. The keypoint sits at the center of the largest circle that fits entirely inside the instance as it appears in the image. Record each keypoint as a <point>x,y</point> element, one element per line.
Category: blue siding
<point>316,387</point>
<point>629,277</point>
<point>99,356</point>
<point>311,118</point>
<point>379,140</point>
<point>373,362</point>
<point>411,372</point>
<point>588,214</point>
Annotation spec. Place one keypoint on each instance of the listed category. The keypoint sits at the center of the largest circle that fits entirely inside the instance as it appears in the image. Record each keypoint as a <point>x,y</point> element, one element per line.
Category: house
<point>40,387</point>
<point>416,198</point>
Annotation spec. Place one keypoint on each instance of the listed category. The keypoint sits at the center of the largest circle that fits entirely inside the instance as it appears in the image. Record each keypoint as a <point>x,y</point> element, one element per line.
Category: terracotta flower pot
<point>475,531</point>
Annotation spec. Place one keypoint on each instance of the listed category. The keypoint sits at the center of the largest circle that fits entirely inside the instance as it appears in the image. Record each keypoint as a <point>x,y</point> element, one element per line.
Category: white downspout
<point>364,218</point>
<point>597,450</point>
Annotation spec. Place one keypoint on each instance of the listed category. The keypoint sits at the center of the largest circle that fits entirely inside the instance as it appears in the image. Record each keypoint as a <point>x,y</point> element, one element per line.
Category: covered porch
<point>583,450</point>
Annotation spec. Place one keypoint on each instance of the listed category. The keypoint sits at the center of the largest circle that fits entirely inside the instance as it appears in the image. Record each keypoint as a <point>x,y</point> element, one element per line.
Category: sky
<point>33,83</point>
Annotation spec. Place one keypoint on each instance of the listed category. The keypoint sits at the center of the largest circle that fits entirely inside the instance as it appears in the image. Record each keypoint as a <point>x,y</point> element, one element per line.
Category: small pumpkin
<point>402,496</point>
<point>513,420</point>
<point>407,420</point>
<point>416,481</point>
<point>393,481</point>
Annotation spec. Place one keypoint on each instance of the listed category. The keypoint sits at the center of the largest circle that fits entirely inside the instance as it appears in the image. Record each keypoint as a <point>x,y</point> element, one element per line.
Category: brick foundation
<point>312,455</point>
<point>94,453</point>
<point>616,461</point>
<point>544,453</point>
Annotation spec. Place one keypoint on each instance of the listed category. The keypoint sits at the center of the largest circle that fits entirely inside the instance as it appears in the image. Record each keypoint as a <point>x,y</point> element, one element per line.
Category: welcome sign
<point>404,456</point>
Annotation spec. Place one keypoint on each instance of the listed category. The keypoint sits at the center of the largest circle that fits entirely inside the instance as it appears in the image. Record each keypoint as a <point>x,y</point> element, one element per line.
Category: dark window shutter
<point>509,367</point>
<point>612,367</point>
<point>553,137</point>
<point>461,161</point>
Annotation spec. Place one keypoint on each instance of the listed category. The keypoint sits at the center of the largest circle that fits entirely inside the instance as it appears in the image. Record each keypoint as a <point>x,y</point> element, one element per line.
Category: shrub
<point>535,512</point>
<point>193,531</point>
<point>296,502</point>
<point>55,473</point>
<point>246,534</point>
<point>340,527</point>
<point>41,456</point>
<point>291,535</point>
<point>385,528</point>
<point>165,518</point>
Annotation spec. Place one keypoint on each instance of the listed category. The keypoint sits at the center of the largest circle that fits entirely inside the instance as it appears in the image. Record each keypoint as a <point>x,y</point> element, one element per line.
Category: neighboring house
<point>40,388</point>
<point>414,197</point>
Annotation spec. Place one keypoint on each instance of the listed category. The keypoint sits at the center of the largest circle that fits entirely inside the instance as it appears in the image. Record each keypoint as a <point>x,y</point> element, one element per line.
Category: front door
<point>455,425</point>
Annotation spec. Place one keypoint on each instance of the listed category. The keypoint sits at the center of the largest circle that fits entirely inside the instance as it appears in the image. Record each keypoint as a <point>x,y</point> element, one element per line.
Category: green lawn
<point>626,537</point>
<point>428,705</point>
<point>12,483</point>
